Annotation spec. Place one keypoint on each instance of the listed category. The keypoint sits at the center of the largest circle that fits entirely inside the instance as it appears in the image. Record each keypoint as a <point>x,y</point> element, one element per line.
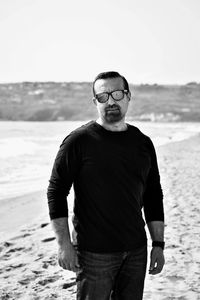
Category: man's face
<point>111,111</point>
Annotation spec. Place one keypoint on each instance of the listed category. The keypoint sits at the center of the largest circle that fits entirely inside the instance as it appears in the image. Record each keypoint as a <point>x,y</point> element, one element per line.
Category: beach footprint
<point>48,239</point>
<point>175,278</point>
<point>44,225</point>
<point>52,261</point>
<point>67,285</point>
<point>49,279</point>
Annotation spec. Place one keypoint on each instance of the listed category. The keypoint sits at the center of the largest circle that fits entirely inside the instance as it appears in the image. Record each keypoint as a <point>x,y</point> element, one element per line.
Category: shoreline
<point>31,209</point>
<point>21,211</point>
<point>36,147</point>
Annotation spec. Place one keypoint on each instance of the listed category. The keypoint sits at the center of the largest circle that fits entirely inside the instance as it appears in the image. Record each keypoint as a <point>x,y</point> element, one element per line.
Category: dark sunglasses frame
<point>111,93</point>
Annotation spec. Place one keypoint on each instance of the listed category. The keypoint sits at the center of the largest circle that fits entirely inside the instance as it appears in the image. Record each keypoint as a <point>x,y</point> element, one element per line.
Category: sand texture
<point>28,260</point>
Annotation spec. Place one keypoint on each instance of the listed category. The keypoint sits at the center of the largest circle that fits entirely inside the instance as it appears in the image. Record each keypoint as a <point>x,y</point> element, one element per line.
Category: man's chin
<point>113,117</point>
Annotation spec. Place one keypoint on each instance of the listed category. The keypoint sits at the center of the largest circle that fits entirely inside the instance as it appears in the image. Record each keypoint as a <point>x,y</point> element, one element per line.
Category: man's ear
<point>94,100</point>
<point>129,96</point>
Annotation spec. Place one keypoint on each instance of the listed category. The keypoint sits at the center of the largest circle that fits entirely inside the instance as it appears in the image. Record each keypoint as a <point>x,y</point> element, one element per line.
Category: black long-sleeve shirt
<point>115,174</point>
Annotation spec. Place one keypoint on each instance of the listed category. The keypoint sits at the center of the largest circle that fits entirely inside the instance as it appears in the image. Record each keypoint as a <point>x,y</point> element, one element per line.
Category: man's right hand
<point>67,257</point>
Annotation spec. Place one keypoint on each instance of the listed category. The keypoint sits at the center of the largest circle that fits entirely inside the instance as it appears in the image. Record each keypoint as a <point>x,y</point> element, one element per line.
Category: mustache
<point>112,107</point>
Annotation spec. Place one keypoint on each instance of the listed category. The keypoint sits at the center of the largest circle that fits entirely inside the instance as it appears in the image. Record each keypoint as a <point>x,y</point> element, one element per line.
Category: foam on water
<point>15,147</point>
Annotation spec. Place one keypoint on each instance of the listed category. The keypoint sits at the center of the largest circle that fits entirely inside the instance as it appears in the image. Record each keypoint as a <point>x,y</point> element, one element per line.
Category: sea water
<point>28,150</point>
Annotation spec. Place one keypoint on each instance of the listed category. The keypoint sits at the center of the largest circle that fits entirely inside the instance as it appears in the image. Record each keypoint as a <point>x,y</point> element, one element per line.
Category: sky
<point>147,41</point>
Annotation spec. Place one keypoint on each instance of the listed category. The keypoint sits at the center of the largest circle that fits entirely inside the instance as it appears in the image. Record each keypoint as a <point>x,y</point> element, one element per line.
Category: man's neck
<point>118,126</point>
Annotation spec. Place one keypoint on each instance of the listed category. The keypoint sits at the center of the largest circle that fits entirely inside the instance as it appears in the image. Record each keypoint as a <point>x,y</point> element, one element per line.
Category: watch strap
<point>158,244</point>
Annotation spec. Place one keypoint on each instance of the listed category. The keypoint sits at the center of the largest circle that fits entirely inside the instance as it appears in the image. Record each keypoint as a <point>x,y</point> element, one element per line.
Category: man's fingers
<point>65,265</point>
<point>157,261</point>
<point>62,264</point>
<point>77,264</point>
<point>69,266</point>
<point>155,271</point>
<point>68,259</point>
<point>152,263</point>
<point>156,267</point>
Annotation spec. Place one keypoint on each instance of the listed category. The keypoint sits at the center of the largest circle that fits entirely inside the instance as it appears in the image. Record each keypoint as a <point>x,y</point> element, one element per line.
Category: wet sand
<point>28,250</point>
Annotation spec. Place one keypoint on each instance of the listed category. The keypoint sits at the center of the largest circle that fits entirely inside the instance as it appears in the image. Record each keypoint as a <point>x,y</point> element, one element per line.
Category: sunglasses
<point>116,95</point>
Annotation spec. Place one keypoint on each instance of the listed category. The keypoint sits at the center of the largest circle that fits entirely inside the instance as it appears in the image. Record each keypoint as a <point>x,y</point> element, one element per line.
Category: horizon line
<point>90,82</point>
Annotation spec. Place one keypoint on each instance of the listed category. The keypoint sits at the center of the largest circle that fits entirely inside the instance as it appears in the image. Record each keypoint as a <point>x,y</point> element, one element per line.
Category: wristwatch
<point>158,244</point>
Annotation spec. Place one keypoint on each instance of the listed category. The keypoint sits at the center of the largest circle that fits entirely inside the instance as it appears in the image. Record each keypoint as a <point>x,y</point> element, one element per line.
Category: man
<point>113,168</point>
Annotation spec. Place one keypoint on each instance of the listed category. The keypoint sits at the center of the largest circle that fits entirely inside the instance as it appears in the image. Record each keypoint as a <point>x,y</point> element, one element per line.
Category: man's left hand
<point>157,261</point>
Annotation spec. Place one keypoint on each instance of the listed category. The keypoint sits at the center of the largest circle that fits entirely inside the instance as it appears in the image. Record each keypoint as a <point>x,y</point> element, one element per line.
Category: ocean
<point>28,150</point>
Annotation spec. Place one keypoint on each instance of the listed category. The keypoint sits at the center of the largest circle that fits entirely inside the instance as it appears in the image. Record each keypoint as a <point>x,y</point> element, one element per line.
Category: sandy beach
<point>28,250</point>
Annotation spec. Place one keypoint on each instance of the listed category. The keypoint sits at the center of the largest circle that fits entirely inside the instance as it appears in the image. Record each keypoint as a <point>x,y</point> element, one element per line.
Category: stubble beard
<point>113,116</point>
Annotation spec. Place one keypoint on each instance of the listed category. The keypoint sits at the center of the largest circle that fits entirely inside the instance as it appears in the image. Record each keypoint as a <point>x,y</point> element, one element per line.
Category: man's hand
<point>157,261</point>
<point>67,257</point>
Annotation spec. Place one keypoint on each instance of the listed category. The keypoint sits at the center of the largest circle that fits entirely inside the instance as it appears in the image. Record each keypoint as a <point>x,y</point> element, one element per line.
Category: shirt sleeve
<point>153,195</point>
<point>65,168</point>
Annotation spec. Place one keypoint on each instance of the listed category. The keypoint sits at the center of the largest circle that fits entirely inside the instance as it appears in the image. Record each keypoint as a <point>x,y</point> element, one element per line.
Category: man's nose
<point>110,100</point>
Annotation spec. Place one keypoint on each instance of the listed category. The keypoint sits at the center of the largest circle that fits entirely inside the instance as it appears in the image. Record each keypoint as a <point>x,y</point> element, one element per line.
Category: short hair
<point>110,74</point>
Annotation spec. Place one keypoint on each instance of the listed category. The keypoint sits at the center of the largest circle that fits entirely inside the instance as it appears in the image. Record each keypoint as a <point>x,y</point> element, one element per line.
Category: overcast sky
<point>148,41</point>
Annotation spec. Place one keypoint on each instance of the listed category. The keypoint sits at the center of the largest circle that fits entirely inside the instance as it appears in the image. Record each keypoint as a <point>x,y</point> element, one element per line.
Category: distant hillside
<point>52,101</point>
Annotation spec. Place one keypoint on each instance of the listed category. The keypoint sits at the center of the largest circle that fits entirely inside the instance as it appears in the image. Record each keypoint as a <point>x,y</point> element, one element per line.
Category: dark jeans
<point>111,276</point>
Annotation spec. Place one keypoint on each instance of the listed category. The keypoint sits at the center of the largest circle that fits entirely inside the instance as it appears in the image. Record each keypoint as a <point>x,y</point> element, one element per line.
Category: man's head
<point>109,75</point>
<point>111,96</point>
